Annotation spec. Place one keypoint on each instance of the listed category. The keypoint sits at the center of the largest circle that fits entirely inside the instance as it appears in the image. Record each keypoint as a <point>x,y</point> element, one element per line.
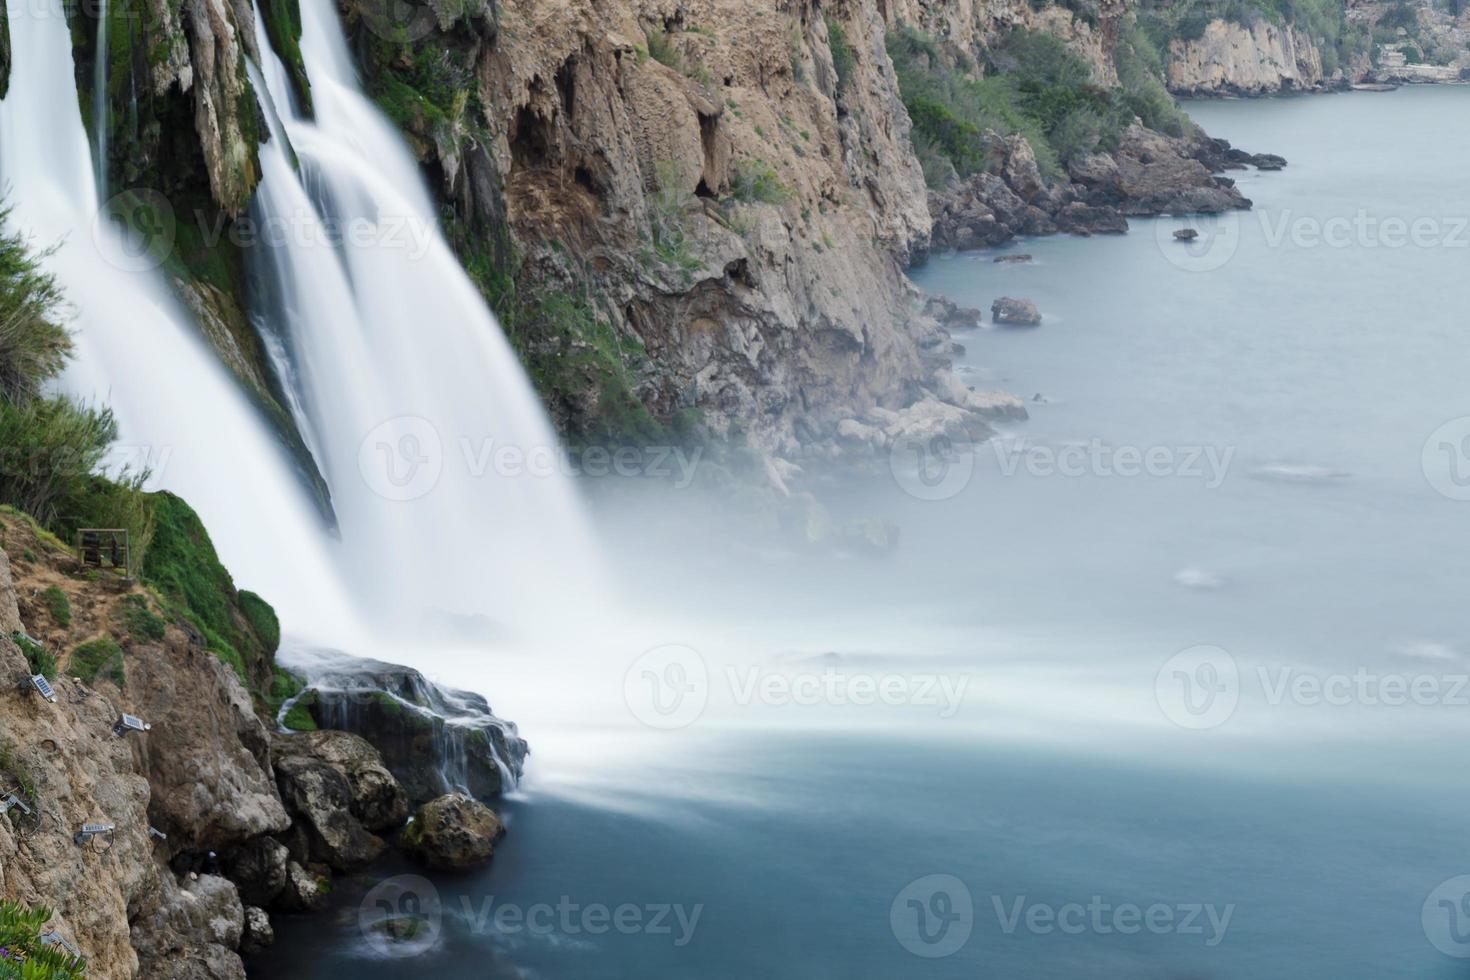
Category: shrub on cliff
<point>52,447</point>
<point>22,954</point>
<point>181,564</point>
<point>34,345</point>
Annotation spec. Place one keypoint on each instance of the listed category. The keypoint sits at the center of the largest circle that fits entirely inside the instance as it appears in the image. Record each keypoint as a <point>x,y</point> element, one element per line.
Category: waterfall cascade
<point>446,478</point>
<point>432,440</point>
<point>179,412</point>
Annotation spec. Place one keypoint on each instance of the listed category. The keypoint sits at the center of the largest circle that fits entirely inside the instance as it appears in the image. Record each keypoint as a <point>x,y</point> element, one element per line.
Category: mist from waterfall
<point>179,413</point>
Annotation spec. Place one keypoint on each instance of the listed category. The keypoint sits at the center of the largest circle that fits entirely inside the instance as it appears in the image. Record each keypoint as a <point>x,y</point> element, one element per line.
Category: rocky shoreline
<point>1150,174</point>
<point>210,818</point>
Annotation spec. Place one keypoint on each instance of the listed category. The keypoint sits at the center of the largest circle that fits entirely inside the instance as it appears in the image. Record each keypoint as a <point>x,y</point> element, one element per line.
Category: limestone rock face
<point>1231,59</point>
<point>321,797</point>
<point>117,895</point>
<point>453,832</point>
<point>377,800</point>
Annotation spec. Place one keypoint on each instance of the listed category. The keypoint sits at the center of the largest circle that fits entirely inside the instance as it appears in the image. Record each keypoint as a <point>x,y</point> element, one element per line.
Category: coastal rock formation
<point>1233,59</point>
<point>452,832</point>
<point>1015,312</point>
<point>1150,173</point>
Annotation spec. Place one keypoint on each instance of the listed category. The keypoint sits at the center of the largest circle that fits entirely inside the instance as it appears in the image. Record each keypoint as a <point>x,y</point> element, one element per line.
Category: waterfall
<point>178,410</point>
<point>398,375</point>
<point>445,474</point>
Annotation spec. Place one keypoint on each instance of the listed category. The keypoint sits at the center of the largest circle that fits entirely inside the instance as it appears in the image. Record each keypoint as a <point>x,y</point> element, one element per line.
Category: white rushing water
<point>416,401</point>
<point>177,408</point>
<point>446,477</point>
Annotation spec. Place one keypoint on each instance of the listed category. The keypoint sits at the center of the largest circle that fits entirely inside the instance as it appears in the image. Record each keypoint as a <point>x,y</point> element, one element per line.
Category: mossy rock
<point>182,566</point>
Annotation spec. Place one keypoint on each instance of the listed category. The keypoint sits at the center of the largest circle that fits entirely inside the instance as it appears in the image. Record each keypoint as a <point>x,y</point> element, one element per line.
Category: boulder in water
<point>455,831</point>
<point>434,740</point>
<point>1186,235</point>
<point>1015,312</point>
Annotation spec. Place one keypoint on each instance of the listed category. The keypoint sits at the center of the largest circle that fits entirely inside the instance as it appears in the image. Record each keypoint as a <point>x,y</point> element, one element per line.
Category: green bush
<point>181,564</point>
<point>663,50</point>
<point>756,180</point>
<point>58,605</point>
<point>34,345</point>
<point>101,658</point>
<point>51,447</point>
<point>843,62</point>
<point>25,956</point>
<point>138,622</point>
<point>40,660</point>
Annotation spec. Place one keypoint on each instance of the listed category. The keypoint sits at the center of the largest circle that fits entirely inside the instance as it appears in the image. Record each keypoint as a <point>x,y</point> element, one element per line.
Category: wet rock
<point>431,738</point>
<point>320,797</point>
<point>258,869</point>
<point>377,800</point>
<point>1015,312</point>
<point>1014,258</point>
<point>1186,235</point>
<point>258,931</point>
<point>304,891</point>
<point>455,831</point>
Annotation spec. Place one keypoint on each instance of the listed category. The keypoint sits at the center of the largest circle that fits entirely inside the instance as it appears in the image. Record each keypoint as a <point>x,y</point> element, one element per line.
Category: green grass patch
<point>756,180</point>
<point>136,621</point>
<point>183,567</point>
<point>58,605</point>
<point>99,659</point>
<point>38,658</point>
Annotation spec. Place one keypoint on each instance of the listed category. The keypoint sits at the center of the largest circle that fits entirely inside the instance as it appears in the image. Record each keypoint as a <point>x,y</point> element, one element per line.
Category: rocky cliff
<point>213,816</point>
<point>1231,58</point>
<point>1306,46</point>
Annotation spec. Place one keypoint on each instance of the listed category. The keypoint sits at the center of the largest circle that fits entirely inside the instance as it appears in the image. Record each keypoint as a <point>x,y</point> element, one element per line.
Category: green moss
<point>183,567</point>
<point>99,659</point>
<point>37,657</point>
<point>283,27</point>
<point>58,605</point>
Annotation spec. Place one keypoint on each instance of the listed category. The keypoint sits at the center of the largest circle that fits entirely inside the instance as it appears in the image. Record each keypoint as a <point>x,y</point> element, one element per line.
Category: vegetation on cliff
<point>182,566</point>
<point>1325,22</point>
<point>1030,85</point>
<point>23,956</point>
<point>53,448</point>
